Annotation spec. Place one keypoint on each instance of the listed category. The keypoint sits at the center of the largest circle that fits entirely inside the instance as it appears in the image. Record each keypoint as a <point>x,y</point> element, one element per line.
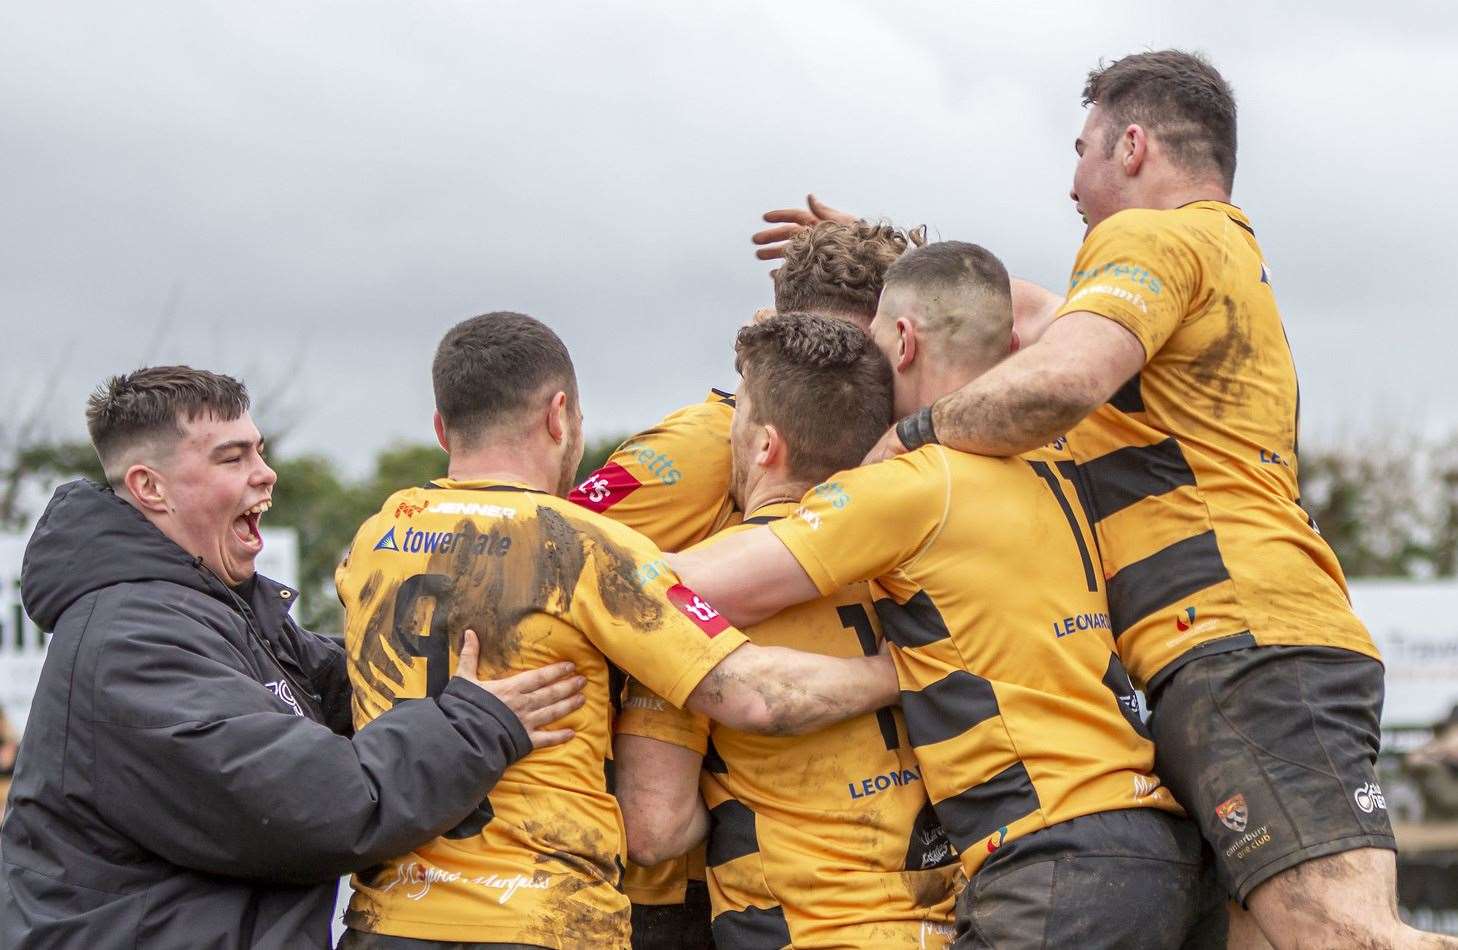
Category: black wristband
<point>916,429</point>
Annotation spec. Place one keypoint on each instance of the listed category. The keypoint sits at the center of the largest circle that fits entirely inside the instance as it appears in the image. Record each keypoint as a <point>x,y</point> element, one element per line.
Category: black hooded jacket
<point>188,777</point>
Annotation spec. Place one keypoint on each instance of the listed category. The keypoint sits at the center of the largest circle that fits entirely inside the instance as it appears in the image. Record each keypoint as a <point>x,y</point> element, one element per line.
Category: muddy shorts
<point>1273,752</point>
<point>1130,879</point>
<point>675,926</point>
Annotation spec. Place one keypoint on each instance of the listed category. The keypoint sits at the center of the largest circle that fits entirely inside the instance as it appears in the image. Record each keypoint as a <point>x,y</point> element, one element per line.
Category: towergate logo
<point>444,542</point>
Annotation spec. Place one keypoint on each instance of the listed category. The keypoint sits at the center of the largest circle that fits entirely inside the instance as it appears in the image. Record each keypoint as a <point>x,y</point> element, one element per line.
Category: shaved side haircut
<point>491,368</point>
<point>1177,97</point>
<point>961,296</point>
<point>146,409</point>
<point>822,383</point>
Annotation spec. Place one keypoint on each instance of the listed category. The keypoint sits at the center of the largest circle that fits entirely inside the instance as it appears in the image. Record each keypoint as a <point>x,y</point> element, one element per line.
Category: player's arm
<point>658,753</point>
<point>1132,283</point>
<point>748,575</point>
<point>782,692</point>
<point>658,792</point>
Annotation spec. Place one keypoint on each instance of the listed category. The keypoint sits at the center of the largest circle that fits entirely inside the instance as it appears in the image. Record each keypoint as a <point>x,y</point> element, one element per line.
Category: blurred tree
<point>596,454</point>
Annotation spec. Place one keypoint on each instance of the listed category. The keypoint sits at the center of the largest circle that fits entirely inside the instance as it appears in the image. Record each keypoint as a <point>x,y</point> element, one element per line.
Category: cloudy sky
<point>309,194</point>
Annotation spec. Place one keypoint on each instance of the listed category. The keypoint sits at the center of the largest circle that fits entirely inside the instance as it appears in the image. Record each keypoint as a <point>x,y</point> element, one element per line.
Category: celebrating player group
<point>850,656</point>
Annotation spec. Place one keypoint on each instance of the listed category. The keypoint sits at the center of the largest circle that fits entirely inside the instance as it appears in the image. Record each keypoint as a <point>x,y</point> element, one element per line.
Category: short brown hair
<point>822,383</point>
<point>834,269</point>
<point>1177,96</point>
<point>149,404</point>
<point>963,299</point>
<point>490,367</point>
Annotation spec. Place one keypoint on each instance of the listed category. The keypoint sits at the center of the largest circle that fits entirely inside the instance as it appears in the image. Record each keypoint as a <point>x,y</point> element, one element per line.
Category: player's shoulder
<point>713,413</point>
<point>574,517</point>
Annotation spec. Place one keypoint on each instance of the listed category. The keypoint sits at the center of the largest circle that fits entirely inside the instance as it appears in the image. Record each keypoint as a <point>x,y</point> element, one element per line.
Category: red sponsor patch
<point>697,609</point>
<point>604,488</point>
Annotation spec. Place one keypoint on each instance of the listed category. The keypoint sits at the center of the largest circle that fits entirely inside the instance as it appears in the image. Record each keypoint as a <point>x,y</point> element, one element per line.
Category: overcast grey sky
<point>309,194</point>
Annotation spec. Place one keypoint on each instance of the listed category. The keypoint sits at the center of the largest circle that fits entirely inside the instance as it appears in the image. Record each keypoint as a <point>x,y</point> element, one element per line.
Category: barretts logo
<point>1001,837</point>
<point>1187,621</point>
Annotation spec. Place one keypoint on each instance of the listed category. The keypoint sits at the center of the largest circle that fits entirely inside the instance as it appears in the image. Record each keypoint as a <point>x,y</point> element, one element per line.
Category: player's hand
<point>888,447</point>
<point>537,697</point>
<point>791,222</point>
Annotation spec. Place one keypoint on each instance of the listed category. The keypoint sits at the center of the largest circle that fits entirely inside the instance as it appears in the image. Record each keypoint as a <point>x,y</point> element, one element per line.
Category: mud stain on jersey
<point>573,904</point>
<point>1218,367</point>
<point>373,659</point>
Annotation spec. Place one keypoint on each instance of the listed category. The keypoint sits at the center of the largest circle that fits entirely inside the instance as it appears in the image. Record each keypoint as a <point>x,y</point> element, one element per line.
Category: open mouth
<point>245,526</point>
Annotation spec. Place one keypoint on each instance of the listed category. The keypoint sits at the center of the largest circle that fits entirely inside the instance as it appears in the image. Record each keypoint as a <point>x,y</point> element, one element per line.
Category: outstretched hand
<point>537,697</point>
<point>791,222</point>
<point>889,446</point>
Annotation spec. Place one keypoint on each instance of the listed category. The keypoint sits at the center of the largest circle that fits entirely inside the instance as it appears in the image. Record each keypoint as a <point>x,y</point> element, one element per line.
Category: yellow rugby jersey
<point>670,482</point>
<point>986,582</point>
<point>540,580</point>
<point>1191,467</point>
<point>825,840</point>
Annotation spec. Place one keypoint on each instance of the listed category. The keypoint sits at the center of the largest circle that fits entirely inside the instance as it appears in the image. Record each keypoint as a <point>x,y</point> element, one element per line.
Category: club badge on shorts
<point>1232,812</point>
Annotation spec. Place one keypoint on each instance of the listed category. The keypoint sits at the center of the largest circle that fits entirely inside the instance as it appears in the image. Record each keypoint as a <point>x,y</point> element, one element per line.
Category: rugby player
<point>496,548</point>
<point>671,482</point>
<point>1020,714</point>
<point>825,840</point>
<point>1168,366</point>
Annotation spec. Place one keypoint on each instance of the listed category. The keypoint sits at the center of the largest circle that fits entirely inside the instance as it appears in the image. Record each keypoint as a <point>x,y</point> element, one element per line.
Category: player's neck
<point>504,466</point>
<point>1177,193</point>
<point>771,491</point>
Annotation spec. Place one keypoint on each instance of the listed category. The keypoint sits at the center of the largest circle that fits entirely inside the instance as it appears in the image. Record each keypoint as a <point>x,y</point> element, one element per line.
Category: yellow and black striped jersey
<point>1191,467</point>
<point>540,580</point>
<point>824,840</point>
<point>670,482</point>
<point>986,582</point>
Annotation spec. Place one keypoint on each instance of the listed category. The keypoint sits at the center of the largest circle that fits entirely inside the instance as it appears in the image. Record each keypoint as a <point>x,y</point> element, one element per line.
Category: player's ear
<point>1134,146</point>
<point>1015,344</point>
<point>440,432</point>
<point>557,417</point>
<point>905,344</point>
<point>771,449</point>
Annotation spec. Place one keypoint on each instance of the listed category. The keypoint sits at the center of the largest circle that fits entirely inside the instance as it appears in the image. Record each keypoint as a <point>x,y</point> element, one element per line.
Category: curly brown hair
<point>838,269</point>
<point>801,370</point>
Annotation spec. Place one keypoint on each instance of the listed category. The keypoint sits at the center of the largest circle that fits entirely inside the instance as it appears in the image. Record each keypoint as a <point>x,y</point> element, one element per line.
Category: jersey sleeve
<point>1138,271</point>
<point>670,482</point>
<point>647,621</point>
<point>866,522</point>
<point>650,716</point>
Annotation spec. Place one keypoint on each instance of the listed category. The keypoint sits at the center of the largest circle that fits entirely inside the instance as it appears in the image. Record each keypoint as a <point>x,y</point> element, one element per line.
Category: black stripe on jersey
<point>731,833</point>
<point>714,762</point>
<point>929,846</point>
<point>763,519</point>
<point>1163,579</point>
<point>1130,396</point>
<point>1133,473</point>
<point>752,928</point>
<point>915,623</point>
<point>472,824</point>
<point>1116,678</point>
<point>983,809</point>
<point>726,398</point>
<point>948,707</point>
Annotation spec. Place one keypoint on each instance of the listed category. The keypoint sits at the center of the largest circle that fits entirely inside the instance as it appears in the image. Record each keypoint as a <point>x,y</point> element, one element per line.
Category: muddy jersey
<point>670,482</point>
<point>824,840</point>
<point>986,582</point>
<point>1191,467</point>
<point>540,580</point>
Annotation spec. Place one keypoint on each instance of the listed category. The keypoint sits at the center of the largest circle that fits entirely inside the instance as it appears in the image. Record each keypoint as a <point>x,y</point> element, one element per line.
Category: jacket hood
<point>88,539</point>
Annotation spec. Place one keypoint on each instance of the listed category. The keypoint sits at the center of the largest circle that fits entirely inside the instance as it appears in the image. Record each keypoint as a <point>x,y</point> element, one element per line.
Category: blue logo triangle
<point>387,543</point>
